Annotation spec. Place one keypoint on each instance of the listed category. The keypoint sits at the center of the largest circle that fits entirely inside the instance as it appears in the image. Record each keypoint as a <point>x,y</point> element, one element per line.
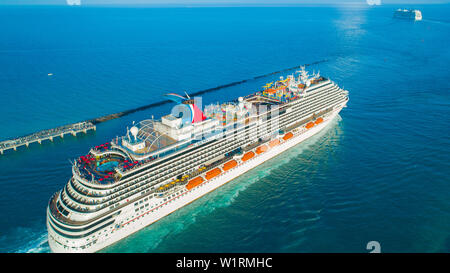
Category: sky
<point>206,2</point>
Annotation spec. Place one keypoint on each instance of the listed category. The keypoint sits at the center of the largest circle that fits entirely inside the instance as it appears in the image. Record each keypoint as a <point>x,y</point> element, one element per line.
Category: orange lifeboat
<point>274,143</point>
<point>229,165</point>
<point>248,155</point>
<point>301,86</point>
<point>212,173</point>
<point>194,182</point>
<point>261,149</point>
<point>288,136</point>
<point>309,125</point>
<point>318,121</point>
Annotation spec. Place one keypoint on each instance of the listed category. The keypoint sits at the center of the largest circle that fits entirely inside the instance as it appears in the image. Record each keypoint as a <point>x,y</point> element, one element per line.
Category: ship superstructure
<point>411,14</point>
<point>159,166</point>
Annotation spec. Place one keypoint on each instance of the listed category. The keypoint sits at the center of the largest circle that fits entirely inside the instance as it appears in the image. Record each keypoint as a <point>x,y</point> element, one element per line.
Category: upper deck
<point>151,140</point>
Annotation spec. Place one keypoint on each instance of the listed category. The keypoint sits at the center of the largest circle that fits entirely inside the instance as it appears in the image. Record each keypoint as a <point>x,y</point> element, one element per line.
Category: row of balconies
<point>161,177</point>
<point>316,97</point>
<point>186,166</point>
<point>317,105</point>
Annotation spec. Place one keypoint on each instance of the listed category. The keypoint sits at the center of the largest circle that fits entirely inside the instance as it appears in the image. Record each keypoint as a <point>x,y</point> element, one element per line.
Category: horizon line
<point>218,4</point>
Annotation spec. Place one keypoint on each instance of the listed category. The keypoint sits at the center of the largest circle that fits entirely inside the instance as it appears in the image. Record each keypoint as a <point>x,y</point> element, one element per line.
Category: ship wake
<point>29,240</point>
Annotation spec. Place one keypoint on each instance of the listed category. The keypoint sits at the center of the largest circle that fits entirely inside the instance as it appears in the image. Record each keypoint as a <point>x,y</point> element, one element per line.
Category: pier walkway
<point>49,134</point>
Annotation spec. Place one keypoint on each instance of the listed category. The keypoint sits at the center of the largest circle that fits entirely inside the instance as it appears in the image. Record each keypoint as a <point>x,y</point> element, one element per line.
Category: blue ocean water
<point>379,172</point>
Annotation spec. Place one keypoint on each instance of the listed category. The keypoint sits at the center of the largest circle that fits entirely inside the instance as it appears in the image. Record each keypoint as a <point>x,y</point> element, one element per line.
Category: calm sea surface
<point>379,172</point>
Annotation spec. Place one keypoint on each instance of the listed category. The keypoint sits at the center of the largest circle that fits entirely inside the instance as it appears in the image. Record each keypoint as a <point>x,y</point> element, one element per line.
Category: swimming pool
<point>107,166</point>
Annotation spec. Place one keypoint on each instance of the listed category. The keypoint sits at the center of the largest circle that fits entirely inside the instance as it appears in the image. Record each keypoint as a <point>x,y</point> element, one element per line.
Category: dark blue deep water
<point>379,172</point>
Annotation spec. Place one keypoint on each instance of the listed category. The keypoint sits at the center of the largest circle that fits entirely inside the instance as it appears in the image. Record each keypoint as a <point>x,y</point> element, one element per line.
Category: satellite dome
<point>134,131</point>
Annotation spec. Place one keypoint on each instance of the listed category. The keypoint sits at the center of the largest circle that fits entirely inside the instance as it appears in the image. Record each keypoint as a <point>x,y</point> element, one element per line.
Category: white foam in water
<point>29,240</point>
<point>39,245</point>
<point>151,237</point>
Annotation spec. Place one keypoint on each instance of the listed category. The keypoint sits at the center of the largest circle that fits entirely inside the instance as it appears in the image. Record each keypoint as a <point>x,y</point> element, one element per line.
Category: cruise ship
<point>411,14</point>
<point>161,165</point>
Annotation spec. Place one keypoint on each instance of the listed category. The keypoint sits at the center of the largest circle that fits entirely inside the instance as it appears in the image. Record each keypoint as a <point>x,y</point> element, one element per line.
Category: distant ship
<point>162,165</point>
<point>411,14</point>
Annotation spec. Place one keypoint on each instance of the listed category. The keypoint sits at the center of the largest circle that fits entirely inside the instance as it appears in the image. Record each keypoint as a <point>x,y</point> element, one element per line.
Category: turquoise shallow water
<point>380,172</point>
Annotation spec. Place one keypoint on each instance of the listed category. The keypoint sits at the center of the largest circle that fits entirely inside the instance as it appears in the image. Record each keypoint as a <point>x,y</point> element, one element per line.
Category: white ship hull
<point>150,216</point>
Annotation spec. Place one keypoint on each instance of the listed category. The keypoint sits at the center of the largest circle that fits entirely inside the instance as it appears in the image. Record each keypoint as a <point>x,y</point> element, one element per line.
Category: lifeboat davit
<point>288,136</point>
<point>261,149</point>
<point>212,173</point>
<point>229,165</point>
<point>194,182</point>
<point>248,155</point>
<point>309,125</point>
<point>274,143</point>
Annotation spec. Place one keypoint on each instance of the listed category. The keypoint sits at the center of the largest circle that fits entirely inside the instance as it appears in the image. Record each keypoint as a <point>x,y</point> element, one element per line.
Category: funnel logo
<point>73,2</point>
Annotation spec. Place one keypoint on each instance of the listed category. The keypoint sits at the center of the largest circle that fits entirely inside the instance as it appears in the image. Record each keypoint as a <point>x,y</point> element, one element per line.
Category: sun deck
<point>151,140</point>
<point>99,169</point>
